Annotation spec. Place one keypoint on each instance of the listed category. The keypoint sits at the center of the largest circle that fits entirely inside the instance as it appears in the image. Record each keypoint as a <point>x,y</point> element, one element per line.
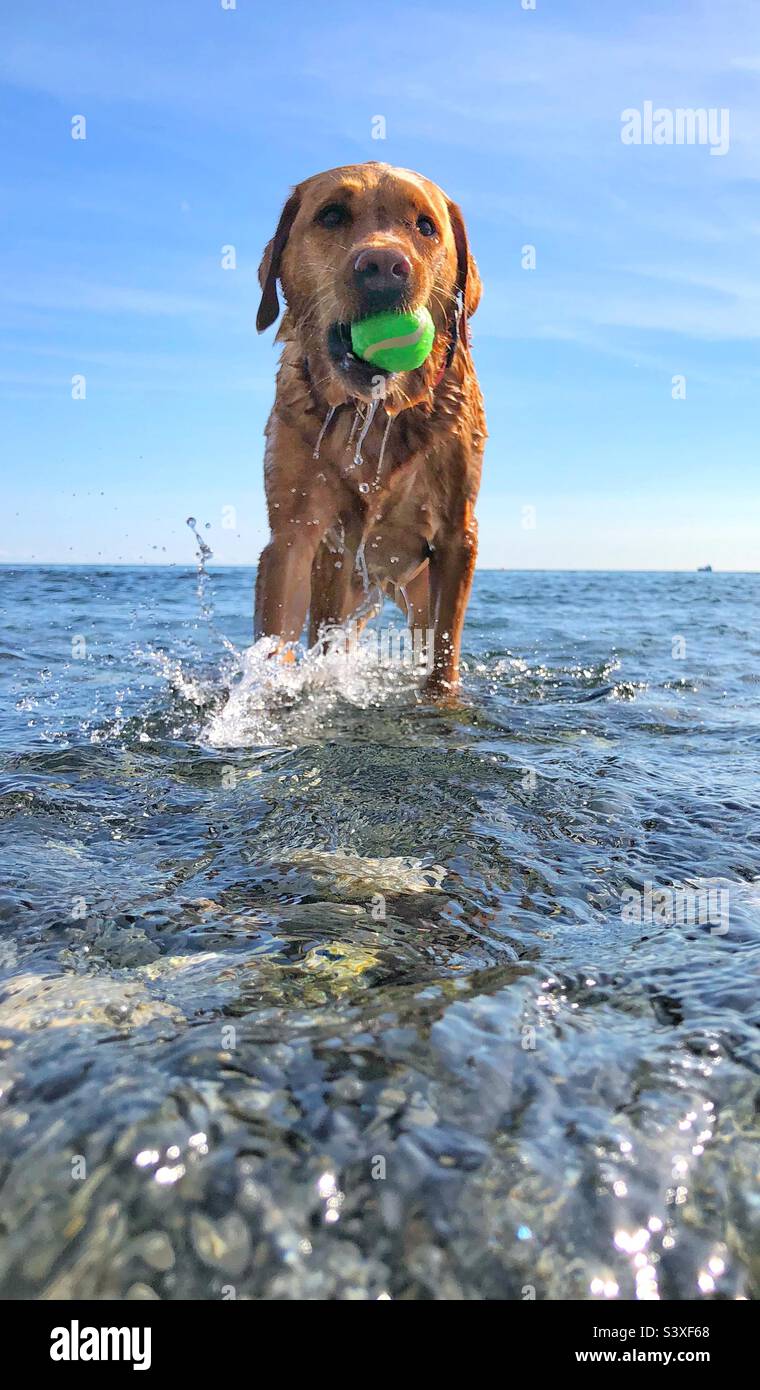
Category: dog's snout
<point>382,270</point>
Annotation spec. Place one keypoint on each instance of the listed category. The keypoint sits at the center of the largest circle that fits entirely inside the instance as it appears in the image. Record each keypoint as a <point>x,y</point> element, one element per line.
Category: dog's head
<point>356,241</point>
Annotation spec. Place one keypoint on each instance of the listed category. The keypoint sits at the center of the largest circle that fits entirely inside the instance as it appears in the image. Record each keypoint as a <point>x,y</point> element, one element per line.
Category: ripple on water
<point>355,998</point>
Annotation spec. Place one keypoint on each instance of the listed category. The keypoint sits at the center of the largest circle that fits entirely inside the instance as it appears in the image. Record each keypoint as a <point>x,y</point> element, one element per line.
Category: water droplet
<point>339,564</point>
<point>364,487</point>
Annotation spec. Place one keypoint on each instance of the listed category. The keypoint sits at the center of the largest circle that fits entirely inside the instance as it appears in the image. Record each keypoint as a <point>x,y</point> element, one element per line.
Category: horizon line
<point>479,569</point>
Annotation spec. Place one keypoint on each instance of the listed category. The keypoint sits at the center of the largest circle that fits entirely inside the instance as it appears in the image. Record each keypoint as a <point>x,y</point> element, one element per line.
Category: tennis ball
<point>395,342</point>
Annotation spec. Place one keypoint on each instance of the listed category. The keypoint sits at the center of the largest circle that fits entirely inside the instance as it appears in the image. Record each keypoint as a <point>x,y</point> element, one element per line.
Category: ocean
<point>311,990</point>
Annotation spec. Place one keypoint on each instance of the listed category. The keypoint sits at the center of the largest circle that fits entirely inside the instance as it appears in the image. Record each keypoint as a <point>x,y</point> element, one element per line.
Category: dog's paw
<point>441,690</point>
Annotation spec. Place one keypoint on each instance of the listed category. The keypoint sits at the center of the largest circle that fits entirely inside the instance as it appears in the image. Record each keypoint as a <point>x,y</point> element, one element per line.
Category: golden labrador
<point>371,477</point>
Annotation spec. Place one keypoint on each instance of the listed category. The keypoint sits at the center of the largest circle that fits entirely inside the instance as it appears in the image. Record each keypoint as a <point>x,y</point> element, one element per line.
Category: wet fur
<point>418,528</point>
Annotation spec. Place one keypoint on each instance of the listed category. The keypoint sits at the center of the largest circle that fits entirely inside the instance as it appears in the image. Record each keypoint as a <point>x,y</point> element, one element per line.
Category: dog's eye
<point>332,216</point>
<point>425,225</point>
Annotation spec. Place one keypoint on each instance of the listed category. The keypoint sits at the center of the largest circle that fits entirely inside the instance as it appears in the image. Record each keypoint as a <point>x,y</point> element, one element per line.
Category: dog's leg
<point>452,566</point>
<point>299,516</point>
<point>283,586</point>
<point>414,600</point>
<point>336,590</point>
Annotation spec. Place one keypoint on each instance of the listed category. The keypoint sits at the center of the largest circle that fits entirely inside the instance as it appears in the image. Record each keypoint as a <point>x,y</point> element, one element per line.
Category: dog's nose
<point>380,269</point>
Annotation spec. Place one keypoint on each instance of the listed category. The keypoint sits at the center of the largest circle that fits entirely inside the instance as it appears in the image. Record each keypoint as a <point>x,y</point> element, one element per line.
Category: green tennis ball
<point>396,342</point>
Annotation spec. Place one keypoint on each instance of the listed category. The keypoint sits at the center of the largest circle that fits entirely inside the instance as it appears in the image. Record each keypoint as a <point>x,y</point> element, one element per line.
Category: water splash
<point>270,703</point>
<point>368,418</point>
<point>386,432</point>
<point>204,553</point>
<point>358,417</point>
<point>323,431</point>
<point>204,587</point>
<point>189,684</point>
<point>360,565</point>
<point>374,598</point>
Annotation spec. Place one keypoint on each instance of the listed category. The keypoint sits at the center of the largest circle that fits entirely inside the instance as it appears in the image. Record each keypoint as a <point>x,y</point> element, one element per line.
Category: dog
<point>371,477</point>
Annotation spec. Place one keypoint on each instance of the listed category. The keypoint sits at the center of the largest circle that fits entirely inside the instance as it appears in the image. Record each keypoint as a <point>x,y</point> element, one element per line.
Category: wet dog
<point>371,477</point>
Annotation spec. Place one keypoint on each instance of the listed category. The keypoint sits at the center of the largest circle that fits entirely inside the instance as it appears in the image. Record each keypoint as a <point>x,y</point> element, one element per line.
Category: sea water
<point>311,989</point>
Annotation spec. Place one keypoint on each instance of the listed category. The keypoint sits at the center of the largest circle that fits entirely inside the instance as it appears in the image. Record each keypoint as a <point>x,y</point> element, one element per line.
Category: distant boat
<point>704,569</point>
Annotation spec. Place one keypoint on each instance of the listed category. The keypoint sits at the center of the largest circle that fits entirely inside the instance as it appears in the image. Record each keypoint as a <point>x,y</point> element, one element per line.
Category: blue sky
<point>199,119</point>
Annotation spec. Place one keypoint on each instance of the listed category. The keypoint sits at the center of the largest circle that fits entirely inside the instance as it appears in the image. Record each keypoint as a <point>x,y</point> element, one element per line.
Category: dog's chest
<point>396,539</point>
<point>386,493</point>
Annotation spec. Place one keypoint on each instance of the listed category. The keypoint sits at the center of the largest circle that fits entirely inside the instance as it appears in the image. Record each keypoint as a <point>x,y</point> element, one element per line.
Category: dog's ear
<point>269,269</point>
<point>468,277</point>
